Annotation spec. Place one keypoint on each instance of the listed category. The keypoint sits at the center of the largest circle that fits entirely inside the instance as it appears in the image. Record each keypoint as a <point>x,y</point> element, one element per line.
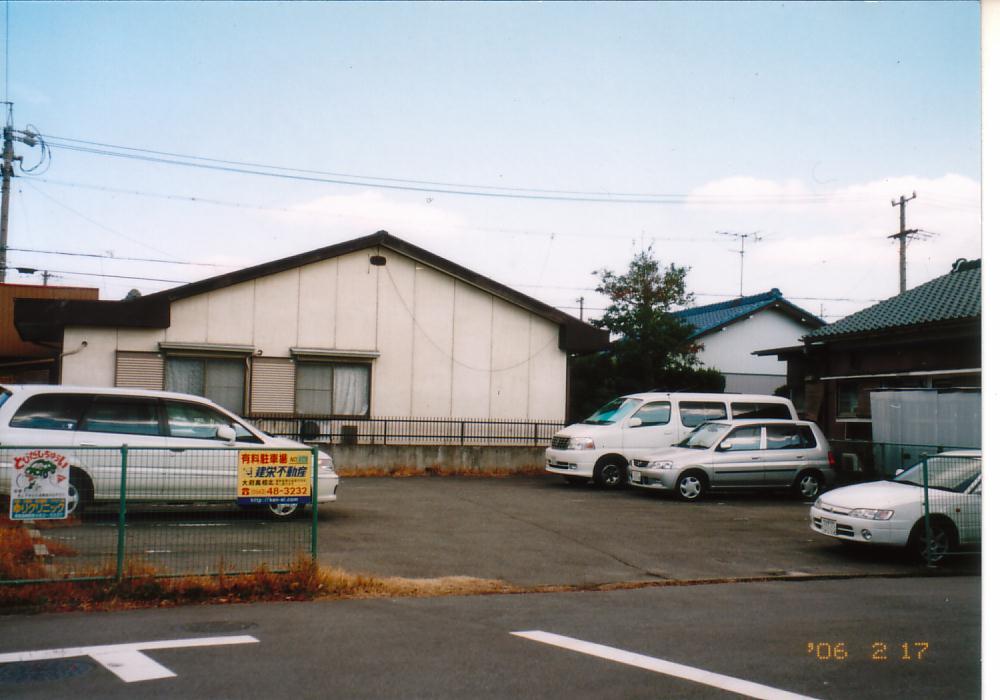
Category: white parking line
<point>127,660</point>
<point>669,668</point>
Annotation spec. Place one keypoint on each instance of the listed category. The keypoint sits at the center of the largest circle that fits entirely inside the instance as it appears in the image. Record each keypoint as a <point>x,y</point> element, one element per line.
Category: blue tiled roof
<point>712,316</point>
<point>952,297</point>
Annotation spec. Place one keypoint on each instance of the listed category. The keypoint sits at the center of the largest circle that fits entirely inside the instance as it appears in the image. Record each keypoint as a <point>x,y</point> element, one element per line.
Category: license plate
<point>829,527</point>
<point>634,476</point>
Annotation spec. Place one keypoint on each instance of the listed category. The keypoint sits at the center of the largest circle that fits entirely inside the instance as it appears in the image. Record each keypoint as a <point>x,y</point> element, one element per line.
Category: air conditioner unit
<point>849,461</point>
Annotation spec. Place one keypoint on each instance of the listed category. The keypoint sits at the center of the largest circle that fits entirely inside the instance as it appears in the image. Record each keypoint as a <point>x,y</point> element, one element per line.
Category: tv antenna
<point>754,238</point>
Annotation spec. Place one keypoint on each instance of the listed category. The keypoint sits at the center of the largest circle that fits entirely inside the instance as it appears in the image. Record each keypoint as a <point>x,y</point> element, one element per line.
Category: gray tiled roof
<point>952,297</point>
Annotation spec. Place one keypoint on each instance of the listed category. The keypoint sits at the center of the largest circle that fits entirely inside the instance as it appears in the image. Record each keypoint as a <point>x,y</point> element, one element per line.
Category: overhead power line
<point>425,186</point>
<point>116,257</point>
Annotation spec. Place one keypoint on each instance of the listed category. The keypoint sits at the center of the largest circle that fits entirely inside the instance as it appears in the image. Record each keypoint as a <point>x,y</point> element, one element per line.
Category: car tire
<point>284,511</point>
<point>81,493</point>
<point>611,473</point>
<point>943,540</point>
<point>808,485</point>
<point>691,485</point>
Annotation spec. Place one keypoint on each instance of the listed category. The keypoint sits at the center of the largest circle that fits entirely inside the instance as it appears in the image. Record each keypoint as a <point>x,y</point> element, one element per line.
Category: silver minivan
<point>740,454</point>
<point>600,447</point>
<point>188,446</point>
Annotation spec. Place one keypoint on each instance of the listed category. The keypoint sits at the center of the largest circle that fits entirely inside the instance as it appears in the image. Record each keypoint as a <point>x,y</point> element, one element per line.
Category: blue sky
<point>801,121</point>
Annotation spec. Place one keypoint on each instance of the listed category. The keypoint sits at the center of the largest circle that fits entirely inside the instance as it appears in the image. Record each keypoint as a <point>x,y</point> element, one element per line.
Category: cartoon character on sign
<point>38,471</point>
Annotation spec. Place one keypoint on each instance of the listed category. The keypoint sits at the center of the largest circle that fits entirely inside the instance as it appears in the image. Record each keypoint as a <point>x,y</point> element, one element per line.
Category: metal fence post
<point>315,501</point>
<point>927,515</point>
<point>120,564</point>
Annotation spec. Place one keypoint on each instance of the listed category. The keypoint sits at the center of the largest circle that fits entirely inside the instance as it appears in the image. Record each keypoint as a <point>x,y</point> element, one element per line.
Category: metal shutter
<point>272,385</point>
<point>139,370</point>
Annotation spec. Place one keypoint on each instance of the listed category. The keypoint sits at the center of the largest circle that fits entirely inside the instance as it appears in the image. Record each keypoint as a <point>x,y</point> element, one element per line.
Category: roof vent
<point>377,260</point>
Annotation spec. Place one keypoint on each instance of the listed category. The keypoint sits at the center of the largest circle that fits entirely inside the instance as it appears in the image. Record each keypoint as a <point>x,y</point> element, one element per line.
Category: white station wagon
<point>177,434</point>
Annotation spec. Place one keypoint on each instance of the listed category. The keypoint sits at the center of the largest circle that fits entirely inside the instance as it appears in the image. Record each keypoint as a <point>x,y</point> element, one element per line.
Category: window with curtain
<point>332,389</point>
<point>221,380</point>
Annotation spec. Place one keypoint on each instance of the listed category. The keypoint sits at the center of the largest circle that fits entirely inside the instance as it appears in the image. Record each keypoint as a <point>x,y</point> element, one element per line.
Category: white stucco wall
<point>730,351</point>
<point>445,348</point>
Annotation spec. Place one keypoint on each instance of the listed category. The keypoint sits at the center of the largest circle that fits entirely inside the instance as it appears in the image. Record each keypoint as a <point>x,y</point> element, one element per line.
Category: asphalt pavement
<point>854,639</point>
<point>538,530</point>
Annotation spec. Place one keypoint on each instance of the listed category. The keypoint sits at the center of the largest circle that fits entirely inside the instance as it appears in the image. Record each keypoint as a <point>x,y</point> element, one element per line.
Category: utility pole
<point>8,172</point>
<point>742,251</point>
<point>10,135</point>
<point>580,300</point>
<point>903,233</point>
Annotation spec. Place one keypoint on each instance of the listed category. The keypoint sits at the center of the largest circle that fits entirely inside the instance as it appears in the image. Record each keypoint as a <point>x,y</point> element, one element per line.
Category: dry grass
<point>142,588</point>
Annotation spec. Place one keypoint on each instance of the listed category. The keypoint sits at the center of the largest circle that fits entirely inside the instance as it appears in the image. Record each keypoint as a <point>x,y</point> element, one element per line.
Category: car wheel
<point>691,486</point>
<point>80,493</point>
<point>610,474</point>
<point>807,485</point>
<point>942,541</point>
<point>284,511</point>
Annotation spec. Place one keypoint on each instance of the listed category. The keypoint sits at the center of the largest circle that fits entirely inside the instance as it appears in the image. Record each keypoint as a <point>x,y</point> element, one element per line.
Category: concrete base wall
<point>439,459</point>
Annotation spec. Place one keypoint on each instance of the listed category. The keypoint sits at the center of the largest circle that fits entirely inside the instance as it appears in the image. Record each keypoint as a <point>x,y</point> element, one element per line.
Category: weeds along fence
<point>951,507</point>
<point>409,431</point>
<point>87,513</point>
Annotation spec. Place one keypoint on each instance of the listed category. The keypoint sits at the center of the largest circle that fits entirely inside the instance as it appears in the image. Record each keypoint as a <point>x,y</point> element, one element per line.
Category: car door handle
<point>754,458</point>
<point>800,457</point>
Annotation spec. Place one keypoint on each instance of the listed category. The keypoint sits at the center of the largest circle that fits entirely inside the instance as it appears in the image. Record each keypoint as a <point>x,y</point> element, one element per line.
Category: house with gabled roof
<point>375,326</point>
<point>730,331</point>
<point>928,337</point>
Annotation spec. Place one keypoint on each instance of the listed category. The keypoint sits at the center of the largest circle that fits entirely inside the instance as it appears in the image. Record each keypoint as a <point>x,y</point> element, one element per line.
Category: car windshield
<point>704,436</point>
<point>944,473</point>
<point>613,411</point>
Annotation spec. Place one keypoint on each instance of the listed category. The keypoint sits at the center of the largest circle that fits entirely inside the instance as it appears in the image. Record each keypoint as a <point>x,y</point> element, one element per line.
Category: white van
<point>187,445</point>
<point>601,447</point>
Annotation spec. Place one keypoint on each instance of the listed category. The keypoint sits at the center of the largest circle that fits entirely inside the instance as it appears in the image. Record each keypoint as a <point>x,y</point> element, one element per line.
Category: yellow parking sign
<point>274,476</point>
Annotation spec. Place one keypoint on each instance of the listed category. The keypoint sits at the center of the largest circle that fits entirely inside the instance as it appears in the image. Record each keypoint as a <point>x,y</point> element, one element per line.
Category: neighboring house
<point>730,332</point>
<point>927,337</point>
<point>372,327</point>
<point>23,362</point>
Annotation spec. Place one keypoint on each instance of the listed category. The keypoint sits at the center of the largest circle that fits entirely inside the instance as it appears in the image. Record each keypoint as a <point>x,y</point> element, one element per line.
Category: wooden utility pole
<point>580,300</point>
<point>903,233</point>
<point>8,172</point>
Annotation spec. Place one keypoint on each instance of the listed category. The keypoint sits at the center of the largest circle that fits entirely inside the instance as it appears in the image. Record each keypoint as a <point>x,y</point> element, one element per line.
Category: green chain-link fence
<point>952,512</point>
<point>110,513</point>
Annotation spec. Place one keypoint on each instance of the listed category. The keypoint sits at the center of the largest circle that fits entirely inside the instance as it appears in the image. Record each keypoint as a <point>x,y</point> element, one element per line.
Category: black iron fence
<point>79,513</point>
<point>409,431</point>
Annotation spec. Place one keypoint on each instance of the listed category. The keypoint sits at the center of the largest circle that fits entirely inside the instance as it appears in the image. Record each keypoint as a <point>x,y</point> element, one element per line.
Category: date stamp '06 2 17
<point>875,651</point>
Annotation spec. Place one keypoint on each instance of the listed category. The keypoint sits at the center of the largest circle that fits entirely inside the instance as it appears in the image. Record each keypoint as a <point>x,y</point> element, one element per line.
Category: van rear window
<point>694,413</point>
<point>761,409</point>
<point>51,412</point>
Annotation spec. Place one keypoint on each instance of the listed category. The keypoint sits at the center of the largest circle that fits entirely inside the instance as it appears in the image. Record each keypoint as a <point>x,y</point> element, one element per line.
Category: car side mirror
<point>634,422</point>
<point>723,446</point>
<point>226,433</point>
<point>898,472</point>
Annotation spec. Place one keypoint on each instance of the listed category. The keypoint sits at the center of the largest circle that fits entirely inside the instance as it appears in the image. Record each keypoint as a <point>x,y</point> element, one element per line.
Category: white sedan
<point>891,512</point>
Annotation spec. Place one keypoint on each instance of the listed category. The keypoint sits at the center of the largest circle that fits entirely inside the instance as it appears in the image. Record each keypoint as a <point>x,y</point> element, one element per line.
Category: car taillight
<point>830,460</point>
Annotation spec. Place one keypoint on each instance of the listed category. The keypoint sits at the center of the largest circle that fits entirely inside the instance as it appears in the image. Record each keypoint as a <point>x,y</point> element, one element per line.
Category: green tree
<point>651,348</point>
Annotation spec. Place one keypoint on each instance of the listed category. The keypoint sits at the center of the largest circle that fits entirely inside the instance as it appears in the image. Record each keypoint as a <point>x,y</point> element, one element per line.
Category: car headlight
<point>661,464</point>
<point>580,443</point>
<point>871,514</point>
<point>325,462</point>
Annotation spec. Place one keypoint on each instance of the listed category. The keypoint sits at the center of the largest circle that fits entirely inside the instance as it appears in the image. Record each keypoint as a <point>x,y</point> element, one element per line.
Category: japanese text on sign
<point>271,476</point>
<point>39,487</point>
